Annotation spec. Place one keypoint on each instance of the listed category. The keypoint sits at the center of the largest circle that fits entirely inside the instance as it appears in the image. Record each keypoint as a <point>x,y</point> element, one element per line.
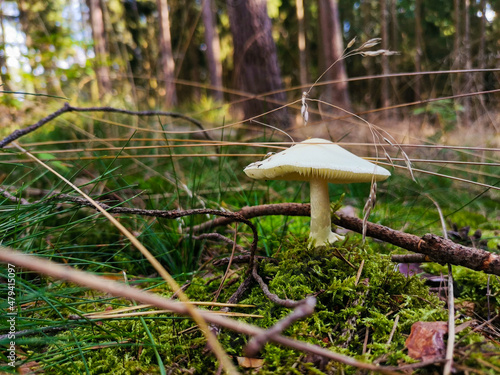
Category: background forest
<point>158,54</point>
<point>153,108</point>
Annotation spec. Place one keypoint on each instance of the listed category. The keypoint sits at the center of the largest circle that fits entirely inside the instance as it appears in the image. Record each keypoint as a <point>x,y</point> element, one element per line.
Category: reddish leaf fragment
<point>247,362</point>
<point>426,340</point>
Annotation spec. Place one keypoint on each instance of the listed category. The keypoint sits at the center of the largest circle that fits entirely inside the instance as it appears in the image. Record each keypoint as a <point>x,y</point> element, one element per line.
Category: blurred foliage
<point>57,55</point>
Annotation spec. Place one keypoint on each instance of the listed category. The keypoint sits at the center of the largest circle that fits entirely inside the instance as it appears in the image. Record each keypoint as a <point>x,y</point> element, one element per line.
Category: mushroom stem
<point>321,221</point>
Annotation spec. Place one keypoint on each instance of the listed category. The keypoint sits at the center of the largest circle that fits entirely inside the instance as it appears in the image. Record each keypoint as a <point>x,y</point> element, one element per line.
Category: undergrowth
<point>344,314</point>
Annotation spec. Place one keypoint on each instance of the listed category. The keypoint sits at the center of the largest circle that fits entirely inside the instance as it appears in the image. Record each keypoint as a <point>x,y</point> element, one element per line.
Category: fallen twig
<point>243,259</point>
<point>172,214</point>
<point>220,237</point>
<point>350,326</point>
<point>410,258</point>
<point>68,108</point>
<point>12,198</point>
<point>436,248</point>
<point>301,311</point>
<point>273,297</point>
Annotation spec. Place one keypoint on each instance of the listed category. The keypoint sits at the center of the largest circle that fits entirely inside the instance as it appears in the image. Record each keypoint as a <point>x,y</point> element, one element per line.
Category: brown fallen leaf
<point>247,362</point>
<point>426,341</point>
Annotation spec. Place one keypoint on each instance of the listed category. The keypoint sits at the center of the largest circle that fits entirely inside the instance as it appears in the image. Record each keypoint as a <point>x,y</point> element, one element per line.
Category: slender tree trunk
<point>482,44</point>
<point>456,40</point>
<point>371,90</point>
<point>301,43</point>
<point>256,68</point>
<point>213,48</point>
<point>468,64</point>
<point>394,25</point>
<point>332,47</point>
<point>101,52</point>
<point>4,81</point>
<point>394,46</point>
<point>167,59</point>
<point>26,26</point>
<point>385,60</point>
<point>482,53</point>
<point>418,48</point>
<point>456,79</point>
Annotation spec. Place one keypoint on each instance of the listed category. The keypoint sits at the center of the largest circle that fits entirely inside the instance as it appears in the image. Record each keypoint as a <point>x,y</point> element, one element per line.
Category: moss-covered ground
<point>353,318</point>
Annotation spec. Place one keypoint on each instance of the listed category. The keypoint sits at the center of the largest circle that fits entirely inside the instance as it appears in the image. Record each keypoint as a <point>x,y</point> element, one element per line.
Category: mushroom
<point>319,162</point>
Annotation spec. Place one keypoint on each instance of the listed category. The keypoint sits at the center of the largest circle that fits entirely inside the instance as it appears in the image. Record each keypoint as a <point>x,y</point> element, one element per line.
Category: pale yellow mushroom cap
<point>316,159</point>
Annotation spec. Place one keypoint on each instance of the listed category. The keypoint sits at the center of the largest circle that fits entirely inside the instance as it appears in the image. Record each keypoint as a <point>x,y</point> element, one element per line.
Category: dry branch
<point>68,108</point>
<point>273,297</point>
<point>436,248</point>
<point>301,311</point>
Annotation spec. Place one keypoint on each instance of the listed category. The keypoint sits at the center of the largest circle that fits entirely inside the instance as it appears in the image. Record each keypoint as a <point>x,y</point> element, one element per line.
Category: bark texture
<point>256,69</point>
<point>332,47</point>
<point>213,48</point>
<point>101,52</point>
<point>167,65</point>
<point>434,247</point>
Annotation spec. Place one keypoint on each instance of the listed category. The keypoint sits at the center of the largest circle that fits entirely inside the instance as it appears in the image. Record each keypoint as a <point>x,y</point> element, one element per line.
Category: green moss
<point>344,311</point>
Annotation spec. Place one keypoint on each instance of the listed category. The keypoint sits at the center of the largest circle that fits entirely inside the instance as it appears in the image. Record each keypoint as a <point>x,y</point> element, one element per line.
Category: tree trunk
<point>371,90</point>
<point>393,66</point>
<point>468,65</point>
<point>482,45</point>
<point>256,69</point>
<point>213,48</point>
<point>101,52</point>
<point>456,56</point>
<point>385,60</point>
<point>418,48</point>
<point>4,81</point>
<point>481,55</point>
<point>301,43</point>
<point>25,20</point>
<point>332,47</point>
<point>167,64</point>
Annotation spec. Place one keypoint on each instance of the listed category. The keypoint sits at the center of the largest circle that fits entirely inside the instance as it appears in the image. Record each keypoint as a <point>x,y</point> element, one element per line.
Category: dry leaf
<point>426,340</point>
<point>246,362</point>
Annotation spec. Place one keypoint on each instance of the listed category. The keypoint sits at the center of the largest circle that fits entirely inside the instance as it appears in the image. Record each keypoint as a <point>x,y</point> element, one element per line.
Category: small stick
<point>68,108</point>
<point>394,326</point>
<point>244,259</point>
<point>350,325</point>
<point>450,344</point>
<point>273,297</point>
<point>228,265</point>
<point>410,258</point>
<point>301,311</point>
<point>365,342</point>
<point>12,198</point>
<point>219,237</point>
